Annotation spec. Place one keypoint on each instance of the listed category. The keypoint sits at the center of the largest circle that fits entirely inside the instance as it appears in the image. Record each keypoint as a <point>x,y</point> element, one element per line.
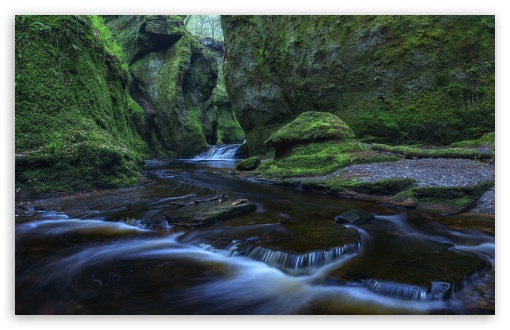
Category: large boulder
<point>315,143</point>
<point>309,127</point>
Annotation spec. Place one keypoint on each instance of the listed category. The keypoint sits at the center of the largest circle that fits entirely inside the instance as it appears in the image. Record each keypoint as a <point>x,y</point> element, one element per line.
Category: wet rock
<point>206,214</point>
<point>354,216</point>
<point>437,268</point>
<point>248,164</point>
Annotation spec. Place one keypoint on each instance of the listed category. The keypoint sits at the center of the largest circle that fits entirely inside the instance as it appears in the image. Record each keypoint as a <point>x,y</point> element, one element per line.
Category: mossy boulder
<point>309,127</point>
<point>315,143</point>
<point>73,126</point>
<point>248,164</point>
<point>392,79</point>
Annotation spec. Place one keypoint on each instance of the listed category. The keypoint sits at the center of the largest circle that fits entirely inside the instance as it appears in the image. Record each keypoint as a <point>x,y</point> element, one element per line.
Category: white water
<point>221,152</point>
<point>247,285</point>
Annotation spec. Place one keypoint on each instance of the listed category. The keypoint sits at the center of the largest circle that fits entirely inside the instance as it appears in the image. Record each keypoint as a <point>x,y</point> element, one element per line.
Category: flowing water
<point>287,257</point>
<point>221,152</point>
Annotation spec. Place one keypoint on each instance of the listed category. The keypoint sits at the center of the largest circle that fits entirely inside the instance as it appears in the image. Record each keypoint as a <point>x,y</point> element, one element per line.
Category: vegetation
<point>487,140</point>
<point>456,199</point>
<point>204,26</point>
<point>72,118</point>
<point>311,127</point>
<point>409,152</point>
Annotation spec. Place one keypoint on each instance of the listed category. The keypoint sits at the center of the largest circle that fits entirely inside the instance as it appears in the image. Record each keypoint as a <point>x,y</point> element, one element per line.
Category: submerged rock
<point>354,216</point>
<point>206,214</point>
<point>420,269</point>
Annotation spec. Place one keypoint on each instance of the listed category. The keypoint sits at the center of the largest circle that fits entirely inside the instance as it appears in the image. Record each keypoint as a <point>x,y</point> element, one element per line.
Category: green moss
<point>385,187</point>
<point>71,107</point>
<point>310,127</point>
<point>248,164</point>
<point>487,140</point>
<point>229,130</point>
<point>404,79</point>
<point>320,158</point>
<point>410,152</point>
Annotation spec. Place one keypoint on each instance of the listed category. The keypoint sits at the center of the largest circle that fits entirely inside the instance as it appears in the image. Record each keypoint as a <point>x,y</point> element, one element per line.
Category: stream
<point>289,256</point>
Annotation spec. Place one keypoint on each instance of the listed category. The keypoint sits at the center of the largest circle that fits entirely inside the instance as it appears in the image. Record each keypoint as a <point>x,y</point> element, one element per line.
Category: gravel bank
<point>433,172</point>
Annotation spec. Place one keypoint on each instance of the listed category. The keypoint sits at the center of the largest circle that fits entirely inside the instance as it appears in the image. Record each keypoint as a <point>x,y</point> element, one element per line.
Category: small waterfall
<point>398,290</point>
<point>221,152</point>
<point>299,264</point>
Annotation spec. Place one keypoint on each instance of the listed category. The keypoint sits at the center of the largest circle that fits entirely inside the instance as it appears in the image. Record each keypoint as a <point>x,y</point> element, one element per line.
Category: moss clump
<point>311,127</point>
<point>311,159</point>
<point>73,126</point>
<point>248,164</point>
<point>487,140</point>
<point>320,158</point>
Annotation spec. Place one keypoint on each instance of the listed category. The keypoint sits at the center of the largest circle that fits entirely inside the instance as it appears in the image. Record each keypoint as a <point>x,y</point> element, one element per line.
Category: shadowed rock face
<point>427,79</point>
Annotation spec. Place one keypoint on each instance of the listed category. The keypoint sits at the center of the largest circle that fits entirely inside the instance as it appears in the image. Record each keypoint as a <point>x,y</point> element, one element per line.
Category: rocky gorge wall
<point>174,76</point>
<point>95,95</point>
<point>393,79</point>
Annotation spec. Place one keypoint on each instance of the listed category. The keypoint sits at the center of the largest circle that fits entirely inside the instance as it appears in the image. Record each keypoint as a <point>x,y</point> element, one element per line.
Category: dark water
<point>288,257</point>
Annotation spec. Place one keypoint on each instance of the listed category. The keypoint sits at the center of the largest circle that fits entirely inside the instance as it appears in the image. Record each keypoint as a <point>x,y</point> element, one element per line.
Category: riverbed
<point>115,253</point>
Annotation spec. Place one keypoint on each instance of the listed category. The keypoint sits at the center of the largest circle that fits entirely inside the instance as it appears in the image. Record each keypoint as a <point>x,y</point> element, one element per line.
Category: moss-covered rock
<point>487,140</point>
<point>248,164</point>
<point>310,127</point>
<point>392,79</point>
<point>73,128</point>
<point>314,144</point>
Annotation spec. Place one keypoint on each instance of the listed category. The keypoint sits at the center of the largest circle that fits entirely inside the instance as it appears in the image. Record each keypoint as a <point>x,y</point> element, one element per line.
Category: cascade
<point>221,152</point>
<point>298,264</point>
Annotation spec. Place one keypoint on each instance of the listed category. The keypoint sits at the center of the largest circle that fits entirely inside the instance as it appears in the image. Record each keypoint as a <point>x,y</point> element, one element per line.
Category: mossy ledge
<point>410,152</point>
